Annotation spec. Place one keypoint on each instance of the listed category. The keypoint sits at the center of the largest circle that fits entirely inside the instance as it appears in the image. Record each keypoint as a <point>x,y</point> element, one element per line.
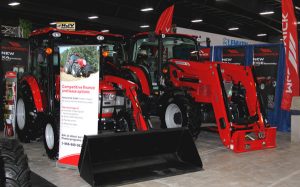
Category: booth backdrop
<point>277,117</point>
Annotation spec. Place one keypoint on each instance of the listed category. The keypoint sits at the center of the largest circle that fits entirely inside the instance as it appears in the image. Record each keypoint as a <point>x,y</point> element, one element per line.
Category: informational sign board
<point>79,93</point>
<point>14,54</point>
<point>265,62</point>
<point>234,55</point>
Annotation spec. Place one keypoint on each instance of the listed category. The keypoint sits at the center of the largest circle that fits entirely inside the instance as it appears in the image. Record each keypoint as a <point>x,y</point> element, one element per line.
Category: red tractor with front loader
<point>38,101</point>
<point>183,91</point>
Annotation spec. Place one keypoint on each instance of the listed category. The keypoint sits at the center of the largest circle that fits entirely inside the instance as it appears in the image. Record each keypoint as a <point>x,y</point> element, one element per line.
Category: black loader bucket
<point>122,158</point>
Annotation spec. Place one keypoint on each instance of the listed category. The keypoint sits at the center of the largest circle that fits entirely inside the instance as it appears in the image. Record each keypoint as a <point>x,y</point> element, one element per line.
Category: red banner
<point>164,23</point>
<point>290,39</point>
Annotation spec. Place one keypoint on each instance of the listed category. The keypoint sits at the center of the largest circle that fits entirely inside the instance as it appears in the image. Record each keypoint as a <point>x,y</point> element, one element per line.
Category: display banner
<point>265,61</point>
<point>79,93</point>
<point>14,52</point>
<point>204,54</point>
<point>234,55</point>
<point>290,40</point>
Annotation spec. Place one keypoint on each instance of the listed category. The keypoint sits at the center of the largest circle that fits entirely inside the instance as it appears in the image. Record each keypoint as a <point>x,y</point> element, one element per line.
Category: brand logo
<point>265,50</point>
<point>233,51</point>
<point>70,26</point>
<point>15,44</point>
<point>290,51</point>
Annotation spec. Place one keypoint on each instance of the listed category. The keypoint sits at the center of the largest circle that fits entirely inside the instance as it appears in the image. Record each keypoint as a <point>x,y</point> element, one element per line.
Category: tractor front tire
<point>178,112</point>
<point>14,170</point>
<point>23,118</point>
<point>67,68</point>
<point>75,70</point>
<point>51,137</point>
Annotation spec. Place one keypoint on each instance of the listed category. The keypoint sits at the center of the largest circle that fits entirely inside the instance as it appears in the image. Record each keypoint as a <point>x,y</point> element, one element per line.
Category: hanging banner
<point>290,40</point>
<point>14,54</point>
<point>234,55</point>
<point>79,93</point>
<point>164,23</point>
<point>265,61</point>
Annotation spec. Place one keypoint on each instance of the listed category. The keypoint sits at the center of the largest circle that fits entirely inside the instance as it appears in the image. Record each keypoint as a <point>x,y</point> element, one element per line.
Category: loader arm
<point>206,84</point>
<point>130,88</point>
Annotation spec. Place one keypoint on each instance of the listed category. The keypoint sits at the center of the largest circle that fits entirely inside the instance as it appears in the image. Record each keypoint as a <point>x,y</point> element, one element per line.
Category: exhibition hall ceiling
<point>252,19</point>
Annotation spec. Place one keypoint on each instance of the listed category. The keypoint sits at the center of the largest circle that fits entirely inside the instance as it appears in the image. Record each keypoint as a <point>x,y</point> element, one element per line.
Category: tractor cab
<point>45,59</point>
<point>152,52</point>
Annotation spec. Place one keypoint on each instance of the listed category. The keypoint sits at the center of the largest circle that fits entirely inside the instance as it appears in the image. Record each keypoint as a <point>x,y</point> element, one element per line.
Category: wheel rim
<point>21,114</point>
<point>49,136</point>
<point>173,116</point>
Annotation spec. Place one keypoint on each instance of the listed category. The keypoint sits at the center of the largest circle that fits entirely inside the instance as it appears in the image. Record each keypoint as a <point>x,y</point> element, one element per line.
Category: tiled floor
<point>279,167</point>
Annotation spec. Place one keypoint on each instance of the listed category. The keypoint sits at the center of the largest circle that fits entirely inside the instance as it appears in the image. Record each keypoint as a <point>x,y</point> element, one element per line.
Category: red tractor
<point>38,101</point>
<point>77,66</point>
<point>183,91</point>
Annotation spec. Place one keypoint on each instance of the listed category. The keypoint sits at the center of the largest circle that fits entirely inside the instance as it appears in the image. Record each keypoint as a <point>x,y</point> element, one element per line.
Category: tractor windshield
<point>145,50</point>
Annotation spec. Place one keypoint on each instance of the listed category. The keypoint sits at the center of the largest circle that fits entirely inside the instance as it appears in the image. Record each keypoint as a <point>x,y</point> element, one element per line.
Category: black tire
<point>51,137</point>
<point>67,68</point>
<point>15,164</point>
<point>125,121</point>
<point>24,121</point>
<point>75,70</point>
<point>187,116</point>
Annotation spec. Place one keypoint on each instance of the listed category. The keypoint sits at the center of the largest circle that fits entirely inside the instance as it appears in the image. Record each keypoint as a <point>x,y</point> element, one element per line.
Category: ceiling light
<point>144,26</point>
<point>14,3</point>
<point>146,9</point>
<point>298,22</point>
<point>93,17</point>
<point>52,23</point>
<point>296,7</point>
<point>266,13</point>
<point>233,29</point>
<point>105,30</point>
<point>196,20</point>
<point>262,34</point>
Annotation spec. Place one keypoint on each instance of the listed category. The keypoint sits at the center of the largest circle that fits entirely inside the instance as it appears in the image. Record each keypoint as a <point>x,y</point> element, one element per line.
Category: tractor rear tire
<point>75,70</point>
<point>51,137</point>
<point>181,112</point>
<point>14,170</point>
<point>23,118</point>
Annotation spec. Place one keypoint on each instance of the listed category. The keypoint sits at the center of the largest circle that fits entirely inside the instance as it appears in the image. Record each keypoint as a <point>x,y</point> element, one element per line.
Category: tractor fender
<point>144,82</point>
<point>35,91</point>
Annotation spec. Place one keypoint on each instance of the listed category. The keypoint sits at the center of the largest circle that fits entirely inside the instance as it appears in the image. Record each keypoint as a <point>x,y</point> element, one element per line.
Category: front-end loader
<point>125,144</point>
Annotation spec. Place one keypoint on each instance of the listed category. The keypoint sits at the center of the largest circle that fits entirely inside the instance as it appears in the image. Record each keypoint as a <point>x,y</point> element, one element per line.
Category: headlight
<point>56,34</point>
<point>109,96</point>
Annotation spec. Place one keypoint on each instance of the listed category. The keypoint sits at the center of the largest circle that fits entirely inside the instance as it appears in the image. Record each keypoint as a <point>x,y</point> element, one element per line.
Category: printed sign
<point>265,62</point>
<point>204,54</point>
<point>70,26</point>
<point>79,92</point>
<point>234,55</point>
<point>14,54</point>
